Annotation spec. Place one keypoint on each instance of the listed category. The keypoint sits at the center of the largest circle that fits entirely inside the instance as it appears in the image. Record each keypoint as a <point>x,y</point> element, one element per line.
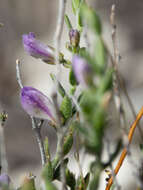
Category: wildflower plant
<point>83,111</point>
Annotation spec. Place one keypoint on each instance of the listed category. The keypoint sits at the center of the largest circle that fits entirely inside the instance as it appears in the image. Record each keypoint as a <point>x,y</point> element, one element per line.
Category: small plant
<point>82,114</point>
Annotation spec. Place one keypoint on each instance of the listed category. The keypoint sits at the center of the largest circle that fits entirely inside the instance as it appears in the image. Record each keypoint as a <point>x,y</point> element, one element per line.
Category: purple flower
<point>36,104</point>
<point>82,70</point>
<point>37,49</point>
<point>74,37</point>
<point>4,179</point>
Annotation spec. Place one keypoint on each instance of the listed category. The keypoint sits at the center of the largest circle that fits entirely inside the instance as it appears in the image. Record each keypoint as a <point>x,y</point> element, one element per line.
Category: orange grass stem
<point>124,152</point>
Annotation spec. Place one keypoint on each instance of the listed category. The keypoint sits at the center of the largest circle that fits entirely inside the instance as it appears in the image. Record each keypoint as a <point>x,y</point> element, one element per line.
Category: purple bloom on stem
<point>4,179</point>
<point>37,49</point>
<point>82,70</point>
<point>36,104</point>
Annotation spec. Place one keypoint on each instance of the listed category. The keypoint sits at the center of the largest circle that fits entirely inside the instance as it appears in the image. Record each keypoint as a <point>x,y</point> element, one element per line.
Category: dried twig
<point>125,150</point>
<point>35,127</point>
<point>115,61</point>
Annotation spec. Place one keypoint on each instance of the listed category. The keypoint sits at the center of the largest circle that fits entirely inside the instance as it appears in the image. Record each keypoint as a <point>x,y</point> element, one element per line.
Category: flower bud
<point>74,37</point>
<point>82,70</point>
<point>4,179</point>
<point>37,49</point>
<point>36,104</point>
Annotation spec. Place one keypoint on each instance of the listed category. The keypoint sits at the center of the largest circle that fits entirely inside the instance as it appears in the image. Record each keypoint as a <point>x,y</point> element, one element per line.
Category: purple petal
<point>36,104</point>
<point>37,49</point>
<point>4,179</point>
<point>81,70</point>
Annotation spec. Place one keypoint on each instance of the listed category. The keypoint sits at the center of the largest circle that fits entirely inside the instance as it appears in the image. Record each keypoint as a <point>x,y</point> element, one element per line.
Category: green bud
<point>74,37</point>
<point>66,107</point>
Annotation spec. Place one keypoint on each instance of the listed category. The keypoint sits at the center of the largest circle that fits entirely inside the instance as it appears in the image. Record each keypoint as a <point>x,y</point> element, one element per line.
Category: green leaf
<point>49,185</point>
<point>72,78</point>
<point>75,5</point>
<point>106,82</point>
<point>86,180</point>
<point>100,53</point>
<point>68,23</point>
<point>79,23</point>
<point>95,180</point>
<point>68,142</point>
<point>92,19</point>
<point>57,169</point>
<point>47,172</point>
<point>66,107</point>
<point>70,179</point>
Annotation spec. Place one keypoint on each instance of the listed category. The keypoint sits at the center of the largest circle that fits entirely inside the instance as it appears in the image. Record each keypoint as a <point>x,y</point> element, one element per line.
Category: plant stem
<point>39,140</point>
<point>35,127</point>
<point>125,150</point>
<point>58,34</point>
<point>60,132</point>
